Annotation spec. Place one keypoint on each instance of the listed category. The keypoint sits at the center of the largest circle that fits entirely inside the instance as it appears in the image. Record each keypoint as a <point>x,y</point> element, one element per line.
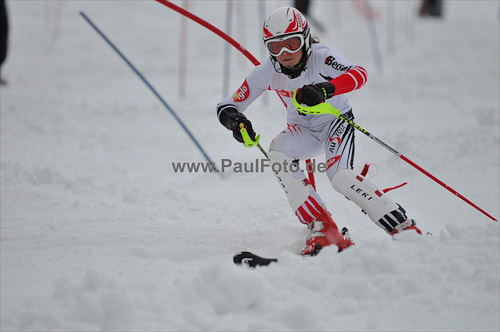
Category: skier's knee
<point>276,156</point>
<point>294,183</point>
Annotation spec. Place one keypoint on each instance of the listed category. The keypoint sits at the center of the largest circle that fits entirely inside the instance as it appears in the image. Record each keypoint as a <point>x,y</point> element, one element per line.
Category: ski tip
<point>240,256</point>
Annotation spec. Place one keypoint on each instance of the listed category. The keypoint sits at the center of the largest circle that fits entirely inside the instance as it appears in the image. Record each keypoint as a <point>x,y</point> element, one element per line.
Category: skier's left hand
<point>314,94</point>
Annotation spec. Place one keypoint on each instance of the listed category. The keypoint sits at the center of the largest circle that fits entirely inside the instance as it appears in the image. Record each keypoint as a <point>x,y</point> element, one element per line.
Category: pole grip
<point>247,141</point>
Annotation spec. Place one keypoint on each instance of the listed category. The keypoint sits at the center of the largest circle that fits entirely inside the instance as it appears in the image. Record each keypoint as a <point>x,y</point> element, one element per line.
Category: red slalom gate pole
<point>231,41</point>
<point>212,28</point>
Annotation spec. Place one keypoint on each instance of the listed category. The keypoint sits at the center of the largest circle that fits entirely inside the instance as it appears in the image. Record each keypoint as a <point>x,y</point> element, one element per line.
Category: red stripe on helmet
<point>267,33</point>
<point>294,26</point>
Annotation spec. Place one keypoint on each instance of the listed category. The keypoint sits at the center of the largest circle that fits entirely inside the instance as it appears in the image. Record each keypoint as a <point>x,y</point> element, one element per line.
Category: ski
<point>251,259</point>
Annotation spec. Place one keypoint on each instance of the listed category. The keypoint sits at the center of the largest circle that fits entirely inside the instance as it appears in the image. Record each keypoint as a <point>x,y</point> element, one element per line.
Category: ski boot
<point>408,224</point>
<point>324,232</point>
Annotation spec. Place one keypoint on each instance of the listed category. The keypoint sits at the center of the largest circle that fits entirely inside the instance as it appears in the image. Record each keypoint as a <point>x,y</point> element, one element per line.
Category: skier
<point>298,62</point>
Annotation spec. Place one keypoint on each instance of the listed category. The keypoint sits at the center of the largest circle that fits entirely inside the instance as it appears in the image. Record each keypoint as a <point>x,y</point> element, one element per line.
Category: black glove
<point>230,118</point>
<point>236,128</point>
<point>314,94</point>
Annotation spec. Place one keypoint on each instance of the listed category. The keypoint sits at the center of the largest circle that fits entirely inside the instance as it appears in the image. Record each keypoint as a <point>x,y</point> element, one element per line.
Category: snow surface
<point>99,233</point>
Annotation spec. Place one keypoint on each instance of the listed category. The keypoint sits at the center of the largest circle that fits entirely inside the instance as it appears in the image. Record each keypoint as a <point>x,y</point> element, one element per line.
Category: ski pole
<point>327,108</point>
<point>89,21</point>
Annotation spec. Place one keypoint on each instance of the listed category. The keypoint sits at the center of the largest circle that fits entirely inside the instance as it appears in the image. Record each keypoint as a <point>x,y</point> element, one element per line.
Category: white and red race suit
<point>317,133</point>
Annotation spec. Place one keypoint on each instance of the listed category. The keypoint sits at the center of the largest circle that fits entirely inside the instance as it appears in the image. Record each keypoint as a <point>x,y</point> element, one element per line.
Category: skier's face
<point>289,59</point>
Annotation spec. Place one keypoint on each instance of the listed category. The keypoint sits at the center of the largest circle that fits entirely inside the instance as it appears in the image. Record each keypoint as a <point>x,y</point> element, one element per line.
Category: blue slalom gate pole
<point>89,21</point>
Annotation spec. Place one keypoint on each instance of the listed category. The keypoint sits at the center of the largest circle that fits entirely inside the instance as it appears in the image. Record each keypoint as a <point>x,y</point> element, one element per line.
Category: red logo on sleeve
<point>242,94</point>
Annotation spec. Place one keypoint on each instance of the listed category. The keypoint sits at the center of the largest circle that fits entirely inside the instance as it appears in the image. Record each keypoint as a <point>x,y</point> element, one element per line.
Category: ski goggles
<point>291,44</point>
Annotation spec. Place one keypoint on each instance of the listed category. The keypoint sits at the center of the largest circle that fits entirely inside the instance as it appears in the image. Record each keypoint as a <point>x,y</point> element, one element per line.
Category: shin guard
<point>304,200</point>
<point>382,210</point>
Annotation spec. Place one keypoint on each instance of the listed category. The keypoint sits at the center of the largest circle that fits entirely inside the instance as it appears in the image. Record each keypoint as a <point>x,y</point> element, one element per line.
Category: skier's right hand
<point>237,121</point>
<point>230,118</point>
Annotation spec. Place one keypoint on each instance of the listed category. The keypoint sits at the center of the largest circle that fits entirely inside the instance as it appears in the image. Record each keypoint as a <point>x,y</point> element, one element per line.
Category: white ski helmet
<point>286,29</point>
